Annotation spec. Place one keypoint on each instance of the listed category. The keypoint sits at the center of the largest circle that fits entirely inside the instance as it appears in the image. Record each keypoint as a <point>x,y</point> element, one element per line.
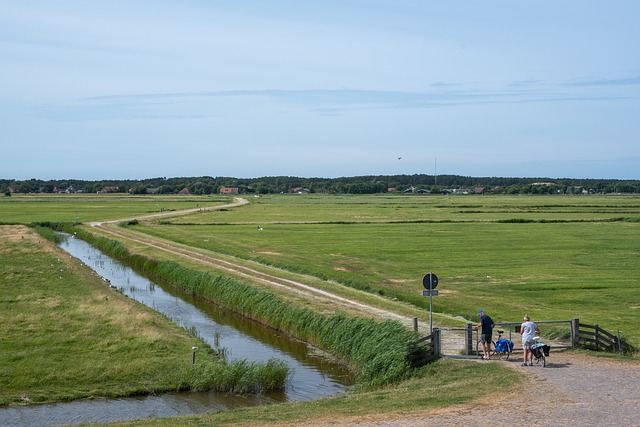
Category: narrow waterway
<point>314,374</point>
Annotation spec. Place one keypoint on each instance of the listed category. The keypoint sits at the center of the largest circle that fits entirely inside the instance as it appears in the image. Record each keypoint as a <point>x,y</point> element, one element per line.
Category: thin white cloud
<point>164,105</point>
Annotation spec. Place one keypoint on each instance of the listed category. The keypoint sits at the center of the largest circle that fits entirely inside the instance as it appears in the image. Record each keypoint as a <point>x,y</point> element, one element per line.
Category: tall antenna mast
<point>435,171</point>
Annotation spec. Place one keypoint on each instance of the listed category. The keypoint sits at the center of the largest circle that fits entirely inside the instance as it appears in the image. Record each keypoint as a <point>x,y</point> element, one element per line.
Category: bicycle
<point>502,347</point>
<point>540,351</point>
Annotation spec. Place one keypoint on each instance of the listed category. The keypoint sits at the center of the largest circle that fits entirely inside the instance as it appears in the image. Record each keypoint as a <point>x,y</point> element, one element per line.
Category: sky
<point>141,89</point>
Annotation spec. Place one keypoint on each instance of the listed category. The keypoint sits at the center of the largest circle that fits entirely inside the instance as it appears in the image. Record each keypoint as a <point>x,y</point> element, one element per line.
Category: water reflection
<point>314,374</point>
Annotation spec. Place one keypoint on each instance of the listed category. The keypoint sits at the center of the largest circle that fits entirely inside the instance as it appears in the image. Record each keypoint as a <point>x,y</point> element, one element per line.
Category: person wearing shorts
<point>486,325</point>
<point>527,330</point>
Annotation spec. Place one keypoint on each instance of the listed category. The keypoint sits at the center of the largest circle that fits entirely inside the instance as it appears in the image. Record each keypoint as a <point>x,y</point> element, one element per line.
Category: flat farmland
<point>553,257</point>
<point>27,208</point>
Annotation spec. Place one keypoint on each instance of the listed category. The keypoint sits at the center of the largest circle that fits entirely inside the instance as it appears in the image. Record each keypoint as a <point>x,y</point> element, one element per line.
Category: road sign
<point>430,281</point>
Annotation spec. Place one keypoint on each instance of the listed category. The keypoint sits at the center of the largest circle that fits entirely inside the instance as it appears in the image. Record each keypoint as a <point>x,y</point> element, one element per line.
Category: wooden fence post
<point>596,336</point>
<point>575,332</point>
<point>468,339</point>
<point>415,324</point>
<point>435,341</point>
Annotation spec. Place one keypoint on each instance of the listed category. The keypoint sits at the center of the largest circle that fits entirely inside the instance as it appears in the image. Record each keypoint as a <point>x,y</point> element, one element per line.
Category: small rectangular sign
<point>434,292</point>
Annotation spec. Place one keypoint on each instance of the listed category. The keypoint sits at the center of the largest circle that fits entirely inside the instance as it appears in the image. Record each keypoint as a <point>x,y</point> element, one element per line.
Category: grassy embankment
<point>553,257</point>
<point>67,335</point>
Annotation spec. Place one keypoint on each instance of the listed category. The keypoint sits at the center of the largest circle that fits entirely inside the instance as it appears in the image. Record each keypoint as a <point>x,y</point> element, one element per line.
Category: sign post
<point>429,283</point>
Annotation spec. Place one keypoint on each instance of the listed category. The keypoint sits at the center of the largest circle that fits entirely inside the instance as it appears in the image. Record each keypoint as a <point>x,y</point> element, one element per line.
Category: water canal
<point>314,375</point>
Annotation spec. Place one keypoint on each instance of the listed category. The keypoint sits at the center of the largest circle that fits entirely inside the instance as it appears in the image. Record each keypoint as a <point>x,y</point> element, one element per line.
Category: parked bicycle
<point>540,351</point>
<point>502,347</point>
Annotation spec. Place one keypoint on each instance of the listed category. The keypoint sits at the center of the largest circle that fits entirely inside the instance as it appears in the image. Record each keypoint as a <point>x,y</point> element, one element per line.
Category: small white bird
<point>260,228</point>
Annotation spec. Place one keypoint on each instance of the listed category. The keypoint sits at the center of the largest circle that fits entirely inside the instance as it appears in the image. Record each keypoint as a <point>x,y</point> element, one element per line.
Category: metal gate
<point>464,342</point>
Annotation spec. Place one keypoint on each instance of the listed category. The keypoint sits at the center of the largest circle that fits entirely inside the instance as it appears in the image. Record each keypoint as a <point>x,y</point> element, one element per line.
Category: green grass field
<point>27,208</point>
<point>553,257</point>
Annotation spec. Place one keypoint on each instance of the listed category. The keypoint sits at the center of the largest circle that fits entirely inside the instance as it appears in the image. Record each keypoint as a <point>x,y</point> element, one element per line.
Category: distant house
<point>547,184</point>
<point>185,190</point>
<point>153,190</point>
<point>410,190</point>
<point>228,190</point>
<point>300,190</point>
<point>111,189</point>
<point>479,190</point>
<point>391,190</point>
<point>461,191</point>
<point>72,189</point>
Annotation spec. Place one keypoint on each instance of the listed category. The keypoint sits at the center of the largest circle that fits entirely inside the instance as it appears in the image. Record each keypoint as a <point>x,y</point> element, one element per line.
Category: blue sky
<point>247,88</point>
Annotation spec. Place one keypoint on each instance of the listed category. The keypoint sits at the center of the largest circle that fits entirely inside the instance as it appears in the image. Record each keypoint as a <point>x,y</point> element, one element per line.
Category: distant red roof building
<point>228,190</point>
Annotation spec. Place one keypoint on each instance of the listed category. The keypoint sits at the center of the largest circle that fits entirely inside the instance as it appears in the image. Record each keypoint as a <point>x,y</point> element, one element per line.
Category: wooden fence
<point>582,335</point>
<point>420,355</point>
<point>593,337</point>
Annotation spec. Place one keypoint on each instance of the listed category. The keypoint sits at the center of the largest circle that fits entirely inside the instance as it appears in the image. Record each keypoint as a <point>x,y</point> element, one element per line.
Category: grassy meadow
<point>553,257</point>
<point>28,208</point>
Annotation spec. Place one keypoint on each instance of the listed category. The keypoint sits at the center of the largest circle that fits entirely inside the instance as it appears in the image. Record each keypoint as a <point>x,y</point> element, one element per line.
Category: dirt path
<point>573,390</point>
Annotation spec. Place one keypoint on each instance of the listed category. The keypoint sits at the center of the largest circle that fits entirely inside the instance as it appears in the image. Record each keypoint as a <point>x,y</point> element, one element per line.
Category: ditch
<point>314,374</point>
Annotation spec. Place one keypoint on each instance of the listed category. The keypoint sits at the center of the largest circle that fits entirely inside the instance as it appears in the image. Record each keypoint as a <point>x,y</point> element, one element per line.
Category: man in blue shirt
<point>486,324</point>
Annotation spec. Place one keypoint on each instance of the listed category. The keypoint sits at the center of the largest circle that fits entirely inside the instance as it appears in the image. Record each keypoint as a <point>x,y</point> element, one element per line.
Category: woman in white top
<point>528,329</point>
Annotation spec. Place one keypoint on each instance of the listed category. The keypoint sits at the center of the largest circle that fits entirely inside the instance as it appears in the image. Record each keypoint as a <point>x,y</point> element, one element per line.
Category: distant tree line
<point>421,183</point>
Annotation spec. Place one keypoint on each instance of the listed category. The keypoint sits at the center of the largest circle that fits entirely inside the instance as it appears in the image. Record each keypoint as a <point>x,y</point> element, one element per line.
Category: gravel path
<point>573,390</point>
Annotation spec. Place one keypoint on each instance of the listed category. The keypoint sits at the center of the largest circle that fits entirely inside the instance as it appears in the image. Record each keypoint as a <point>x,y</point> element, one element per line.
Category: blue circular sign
<point>430,279</point>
